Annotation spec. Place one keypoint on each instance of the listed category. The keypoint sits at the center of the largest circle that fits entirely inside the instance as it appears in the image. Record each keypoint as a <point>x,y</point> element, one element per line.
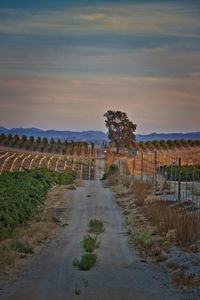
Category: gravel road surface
<point>118,273</point>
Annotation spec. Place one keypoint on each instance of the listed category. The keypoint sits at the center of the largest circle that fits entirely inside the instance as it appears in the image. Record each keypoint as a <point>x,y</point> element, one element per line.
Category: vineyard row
<point>13,161</point>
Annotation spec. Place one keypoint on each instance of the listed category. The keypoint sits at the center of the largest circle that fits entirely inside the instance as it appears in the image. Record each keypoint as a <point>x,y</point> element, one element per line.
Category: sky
<point>64,63</point>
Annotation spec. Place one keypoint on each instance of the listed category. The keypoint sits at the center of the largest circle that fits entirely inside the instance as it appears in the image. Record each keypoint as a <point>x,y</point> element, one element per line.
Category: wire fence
<point>177,174</point>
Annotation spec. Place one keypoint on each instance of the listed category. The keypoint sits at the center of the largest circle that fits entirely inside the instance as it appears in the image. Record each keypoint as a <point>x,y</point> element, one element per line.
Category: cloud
<point>92,17</point>
<point>164,18</point>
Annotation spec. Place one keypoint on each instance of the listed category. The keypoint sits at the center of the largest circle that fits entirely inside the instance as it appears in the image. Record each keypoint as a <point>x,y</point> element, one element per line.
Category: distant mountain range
<point>95,136</point>
<point>88,136</point>
<point>168,136</point>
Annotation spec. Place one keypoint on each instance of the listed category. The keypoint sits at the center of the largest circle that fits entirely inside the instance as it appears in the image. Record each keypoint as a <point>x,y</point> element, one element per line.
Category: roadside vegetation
<point>162,231</point>
<point>23,194</point>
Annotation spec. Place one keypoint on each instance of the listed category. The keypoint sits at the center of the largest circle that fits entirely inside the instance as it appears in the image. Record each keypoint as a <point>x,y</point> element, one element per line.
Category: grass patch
<point>96,226</point>
<point>141,189</point>
<point>165,217</point>
<point>142,239</point>
<point>71,187</point>
<point>21,247</point>
<point>182,279</point>
<point>7,256</point>
<point>90,243</point>
<point>86,261</point>
<point>131,220</point>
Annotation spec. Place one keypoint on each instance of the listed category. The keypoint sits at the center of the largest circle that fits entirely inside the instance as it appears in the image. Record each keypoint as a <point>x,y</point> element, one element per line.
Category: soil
<point>118,274</point>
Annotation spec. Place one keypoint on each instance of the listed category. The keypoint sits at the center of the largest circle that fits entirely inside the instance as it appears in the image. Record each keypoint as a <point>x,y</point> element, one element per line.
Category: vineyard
<point>43,145</point>
<point>16,161</point>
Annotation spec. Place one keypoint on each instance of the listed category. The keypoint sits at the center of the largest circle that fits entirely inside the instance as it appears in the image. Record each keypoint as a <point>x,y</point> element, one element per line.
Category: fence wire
<point>177,174</point>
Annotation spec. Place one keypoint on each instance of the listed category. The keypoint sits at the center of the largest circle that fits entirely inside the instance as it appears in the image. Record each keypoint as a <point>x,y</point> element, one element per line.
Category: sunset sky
<point>63,64</point>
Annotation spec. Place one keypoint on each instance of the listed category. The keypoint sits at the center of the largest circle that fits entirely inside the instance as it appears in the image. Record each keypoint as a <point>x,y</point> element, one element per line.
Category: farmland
<point>17,161</point>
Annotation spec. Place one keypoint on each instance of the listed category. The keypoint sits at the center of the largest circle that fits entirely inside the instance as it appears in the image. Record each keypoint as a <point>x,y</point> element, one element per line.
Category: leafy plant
<point>90,243</point>
<point>96,226</point>
<point>141,238</point>
<point>130,220</point>
<point>86,261</point>
<point>22,194</point>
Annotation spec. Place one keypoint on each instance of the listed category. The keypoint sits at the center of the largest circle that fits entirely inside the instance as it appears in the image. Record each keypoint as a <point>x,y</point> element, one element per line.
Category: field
<point>17,161</point>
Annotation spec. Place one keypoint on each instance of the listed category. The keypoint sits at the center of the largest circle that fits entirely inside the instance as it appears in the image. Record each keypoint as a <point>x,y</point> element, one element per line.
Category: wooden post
<point>155,169</point>
<point>179,180</point>
<point>142,166</point>
<point>133,165</point>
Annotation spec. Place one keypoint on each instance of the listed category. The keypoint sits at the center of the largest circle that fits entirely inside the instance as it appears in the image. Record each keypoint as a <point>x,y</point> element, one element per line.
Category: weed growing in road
<point>86,261</point>
<point>96,226</point>
<point>90,243</point>
<point>142,238</point>
<point>77,291</point>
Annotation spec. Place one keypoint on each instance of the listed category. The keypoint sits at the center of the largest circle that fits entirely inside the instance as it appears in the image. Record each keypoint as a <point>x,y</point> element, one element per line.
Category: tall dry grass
<point>140,189</point>
<point>186,223</point>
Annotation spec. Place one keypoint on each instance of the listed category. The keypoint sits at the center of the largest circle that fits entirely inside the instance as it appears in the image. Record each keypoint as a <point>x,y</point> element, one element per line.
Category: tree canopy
<point>120,128</point>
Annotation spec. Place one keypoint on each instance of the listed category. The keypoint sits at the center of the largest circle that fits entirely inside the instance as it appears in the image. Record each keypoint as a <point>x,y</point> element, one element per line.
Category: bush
<point>96,226</point>
<point>90,243</point>
<point>86,261</point>
<point>141,238</point>
<point>23,194</point>
<point>113,170</point>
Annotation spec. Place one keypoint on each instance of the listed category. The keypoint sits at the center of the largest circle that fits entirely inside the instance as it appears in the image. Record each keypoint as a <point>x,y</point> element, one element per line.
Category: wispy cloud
<point>155,18</point>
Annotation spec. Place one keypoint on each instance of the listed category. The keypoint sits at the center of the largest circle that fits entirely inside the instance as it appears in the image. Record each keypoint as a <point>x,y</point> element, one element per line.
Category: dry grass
<point>79,182</point>
<point>112,180</point>
<point>127,181</point>
<point>182,279</point>
<point>141,189</point>
<point>29,238</point>
<point>185,223</point>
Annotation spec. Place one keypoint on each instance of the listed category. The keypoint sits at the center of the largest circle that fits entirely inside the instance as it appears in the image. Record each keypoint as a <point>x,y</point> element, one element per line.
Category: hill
<point>95,136</point>
<point>88,136</point>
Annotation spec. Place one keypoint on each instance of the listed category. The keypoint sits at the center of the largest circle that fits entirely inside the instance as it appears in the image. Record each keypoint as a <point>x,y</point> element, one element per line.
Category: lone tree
<point>120,128</point>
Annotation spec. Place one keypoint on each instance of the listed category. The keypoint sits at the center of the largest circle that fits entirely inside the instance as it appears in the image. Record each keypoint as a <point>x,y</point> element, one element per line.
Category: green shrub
<point>113,170</point>
<point>130,220</point>
<point>141,238</point>
<point>96,226</point>
<point>86,261</point>
<point>22,194</point>
<point>90,243</point>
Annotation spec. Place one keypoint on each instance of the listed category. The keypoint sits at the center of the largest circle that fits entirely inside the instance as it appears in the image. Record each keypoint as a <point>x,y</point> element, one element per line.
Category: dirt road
<point>118,274</point>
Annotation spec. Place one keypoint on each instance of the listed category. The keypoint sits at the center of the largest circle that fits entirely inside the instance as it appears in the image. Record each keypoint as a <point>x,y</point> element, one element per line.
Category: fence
<point>177,173</point>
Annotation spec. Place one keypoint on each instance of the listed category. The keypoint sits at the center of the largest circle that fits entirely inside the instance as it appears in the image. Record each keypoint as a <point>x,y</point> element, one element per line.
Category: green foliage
<point>113,170</point>
<point>186,172</point>
<point>130,220</point>
<point>141,238</point>
<point>86,261</point>
<point>22,194</point>
<point>96,226</point>
<point>90,243</point>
